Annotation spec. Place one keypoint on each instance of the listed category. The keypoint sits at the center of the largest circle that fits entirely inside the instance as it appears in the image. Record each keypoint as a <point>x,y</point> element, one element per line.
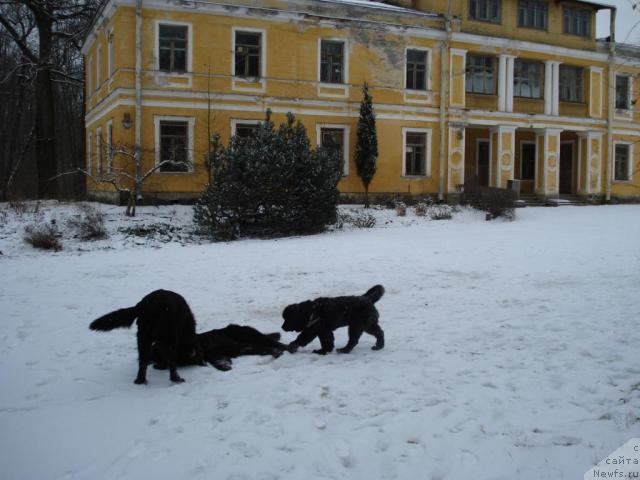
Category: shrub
<point>440,212</point>
<point>89,223</point>
<point>497,202</point>
<point>270,183</point>
<point>421,209</point>
<point>364,220</point>
<point>44,236</point>
<point>401,209</point>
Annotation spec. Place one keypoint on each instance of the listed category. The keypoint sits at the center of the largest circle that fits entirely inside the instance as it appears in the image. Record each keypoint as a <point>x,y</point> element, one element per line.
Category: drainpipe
<point>611,101</point>
<point>444,94</point>
<point>138,112</point>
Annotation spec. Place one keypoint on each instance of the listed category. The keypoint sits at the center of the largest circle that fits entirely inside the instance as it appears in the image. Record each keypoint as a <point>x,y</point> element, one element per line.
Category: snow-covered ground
<point>513,351</point>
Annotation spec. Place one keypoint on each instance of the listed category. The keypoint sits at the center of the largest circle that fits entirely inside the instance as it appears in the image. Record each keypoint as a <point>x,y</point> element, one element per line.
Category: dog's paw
<point>224,365</point>
<point>276,352</point>
<point>177,379</point>
<point>344,350</point>
<point>292,347</point>
<point>377,347</point>
<point>321,351</point>
<point>140,381</point>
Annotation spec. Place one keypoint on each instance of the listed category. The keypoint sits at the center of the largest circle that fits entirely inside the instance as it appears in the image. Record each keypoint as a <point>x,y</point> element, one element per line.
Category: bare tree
<point>48,35</point>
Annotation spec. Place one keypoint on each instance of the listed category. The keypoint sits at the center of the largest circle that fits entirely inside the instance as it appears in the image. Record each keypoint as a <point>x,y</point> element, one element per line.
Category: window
<point>243,130</point>
<point>486,10</point>
<point>533,14</point>
<point>622,169</point>
<point>89,146</point>
<point>527,161</point>
<point>109,145</point>
<point>577,21</point>
<point>417,158</point>
<point>110,53</point>
<point>331,62</point>
<point>98,66</point>
<point>479,74</point>
<point>571,80</point>
<point>247,54</point>
<point>99,151</point>
<point>172,47</point>
<point>174,141</point>
<point>89,73</point>
<point>623,86</point>
<point>337,137</point>
<point>527,79</point>
<point>416,70</point>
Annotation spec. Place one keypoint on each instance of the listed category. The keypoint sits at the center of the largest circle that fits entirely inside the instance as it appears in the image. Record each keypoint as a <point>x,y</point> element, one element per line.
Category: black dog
<point>164,321</point>
<point>219,346</point>
<point>320,317</point>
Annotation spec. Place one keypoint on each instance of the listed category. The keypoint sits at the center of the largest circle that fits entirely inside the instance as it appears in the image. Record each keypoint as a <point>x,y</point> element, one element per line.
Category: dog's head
<point>297,315</point>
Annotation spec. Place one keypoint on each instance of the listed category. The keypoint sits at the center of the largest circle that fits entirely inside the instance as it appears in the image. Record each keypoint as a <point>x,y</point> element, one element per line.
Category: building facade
<point>464,90</point>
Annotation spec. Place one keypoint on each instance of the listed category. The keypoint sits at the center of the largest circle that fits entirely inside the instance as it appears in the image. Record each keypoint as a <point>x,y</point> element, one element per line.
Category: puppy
<point>165,322</point>
<point>220,345</point>
<point>320,317</point>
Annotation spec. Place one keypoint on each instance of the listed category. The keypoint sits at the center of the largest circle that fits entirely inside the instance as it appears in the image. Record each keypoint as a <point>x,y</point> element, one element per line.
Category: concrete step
<point>564,200</point>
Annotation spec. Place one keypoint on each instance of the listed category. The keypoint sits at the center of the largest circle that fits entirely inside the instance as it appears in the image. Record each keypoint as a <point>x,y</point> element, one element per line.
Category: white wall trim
<point>427,132</point>
<point>345,141</point>
<point>98,66</point>
<point>166,76</point>
<point>191,129</point>
<point>240,121</point>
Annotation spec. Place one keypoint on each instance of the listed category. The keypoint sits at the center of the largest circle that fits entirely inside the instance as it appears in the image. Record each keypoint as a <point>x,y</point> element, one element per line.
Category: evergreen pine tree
<point>367,143</point>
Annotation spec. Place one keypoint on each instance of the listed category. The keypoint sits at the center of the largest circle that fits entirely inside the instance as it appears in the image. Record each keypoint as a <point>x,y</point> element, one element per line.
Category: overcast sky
<point>626,19</point>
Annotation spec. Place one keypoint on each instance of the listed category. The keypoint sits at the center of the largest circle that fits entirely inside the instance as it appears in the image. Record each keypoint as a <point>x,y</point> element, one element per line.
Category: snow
<point>512,352</point>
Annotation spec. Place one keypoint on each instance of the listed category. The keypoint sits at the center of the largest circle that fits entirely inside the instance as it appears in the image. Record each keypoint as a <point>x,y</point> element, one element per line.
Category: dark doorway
<point>483,163</point>
<point>566,168</point>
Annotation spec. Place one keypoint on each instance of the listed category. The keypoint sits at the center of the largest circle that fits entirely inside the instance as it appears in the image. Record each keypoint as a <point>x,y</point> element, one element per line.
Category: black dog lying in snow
<point>219,346</point>
<point>165,323</point>
<point>320,317</point>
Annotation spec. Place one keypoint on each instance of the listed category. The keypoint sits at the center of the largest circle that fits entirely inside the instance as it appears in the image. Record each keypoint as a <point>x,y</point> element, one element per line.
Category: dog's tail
<point>375,293</point>
<point>117,319</point>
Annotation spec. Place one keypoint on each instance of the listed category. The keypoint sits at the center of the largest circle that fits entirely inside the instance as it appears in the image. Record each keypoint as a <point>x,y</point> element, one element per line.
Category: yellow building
<point>466,90</point>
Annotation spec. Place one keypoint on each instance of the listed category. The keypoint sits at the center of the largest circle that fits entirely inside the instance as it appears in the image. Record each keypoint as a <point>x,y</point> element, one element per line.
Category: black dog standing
<point>320,317</point>
<point>164,321</point>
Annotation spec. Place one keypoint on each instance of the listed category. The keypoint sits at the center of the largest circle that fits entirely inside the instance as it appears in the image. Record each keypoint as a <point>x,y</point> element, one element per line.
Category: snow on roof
<point>380,6</point>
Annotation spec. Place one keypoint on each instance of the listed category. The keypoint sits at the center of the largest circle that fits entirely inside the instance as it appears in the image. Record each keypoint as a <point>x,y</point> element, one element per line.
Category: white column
<point>548,80</point>
<point>502,83</point>
<point>509,95</point>
<point>555,95</point>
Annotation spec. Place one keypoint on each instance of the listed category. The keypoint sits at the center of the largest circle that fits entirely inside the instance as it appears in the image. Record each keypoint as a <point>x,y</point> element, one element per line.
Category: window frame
<point>573,81</point>
<point>262,67</point>
<point>427,160</point>
<point>427,66</point>
<point>541,67</point>
<point>158,120</point>
<point>471,16</point>
<point>493,74</point>
<point>346,131</point>
<point>528,7</point>
<point>188,50</point>
<point>575,11</point>
<point>98,66</point>
<point>345,61</point>
<point>628,95</point>
<point>109,140</point>
<point>241,121</point>
<point>110,71</point>
<point>99,150</point>
<point>629,146</point>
